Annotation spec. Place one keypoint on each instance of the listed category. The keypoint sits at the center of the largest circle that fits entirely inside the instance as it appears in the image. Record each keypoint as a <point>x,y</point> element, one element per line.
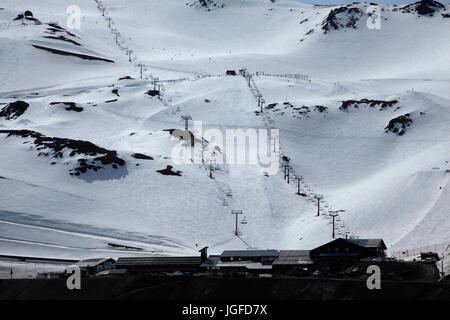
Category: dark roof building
<point>369,243</point>
<point>292,261</point>
<point>249,261</point>
<point>340,254</point>
<point>94,265</point>
<point>293,257</point>
<point>263,256</point>
<point>210,263</point>
<point>157,264</point>
<point>112,273</point>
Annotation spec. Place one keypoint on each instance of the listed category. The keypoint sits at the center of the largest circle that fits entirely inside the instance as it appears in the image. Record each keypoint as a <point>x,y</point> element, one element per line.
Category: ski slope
<point>391,186</point>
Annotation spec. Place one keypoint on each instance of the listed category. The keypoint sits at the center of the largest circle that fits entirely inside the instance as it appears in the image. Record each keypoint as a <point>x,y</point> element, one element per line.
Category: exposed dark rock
<point>399,124</point>
<point>187,136</point>
<point>153,93</point>
<point>67,53</point>
<point>343,17</point>
<point>126,78</point>
<point>424,7</point>
<point>372,103</point>
<point>446,15</point>
<point>58,146</point>
<point>56,26</point>
<point>27,15</point>
<point>20,16</point>
<point>169,172</point>
<point>71,106</point>
<point>121,246</point>
<point>63,38</point>
<point>141,156</point>
<point>116,92</point>
<point>112,100</point>
<point>297,112</point>
<point>14,110</point>
<point>207,4</point>
<point>320,108</point>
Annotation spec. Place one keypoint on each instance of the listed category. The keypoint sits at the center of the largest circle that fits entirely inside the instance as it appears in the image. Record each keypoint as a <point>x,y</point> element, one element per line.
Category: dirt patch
<point>56,147</point>
<point>169,172</point>
<point>14,110</point>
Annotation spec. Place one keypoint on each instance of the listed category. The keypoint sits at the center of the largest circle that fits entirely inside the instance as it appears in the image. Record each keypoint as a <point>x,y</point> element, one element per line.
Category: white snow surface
<point>390,186</point>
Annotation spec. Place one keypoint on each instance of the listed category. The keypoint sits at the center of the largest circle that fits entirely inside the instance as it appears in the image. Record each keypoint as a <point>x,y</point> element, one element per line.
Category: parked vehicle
<point>429,260</point>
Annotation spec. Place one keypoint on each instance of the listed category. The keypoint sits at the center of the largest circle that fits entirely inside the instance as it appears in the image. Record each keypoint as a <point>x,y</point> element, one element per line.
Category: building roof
<point>112,272</point>
<point>93,262</point>
<point>368,243</point>
<point>244,264</point>
<point>293,257</point>
<point>249,253</point>
<point>158,261</point>
<point>211,261</point>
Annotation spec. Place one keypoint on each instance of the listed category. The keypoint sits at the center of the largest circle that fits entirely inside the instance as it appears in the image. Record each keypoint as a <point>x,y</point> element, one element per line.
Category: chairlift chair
<point>244,220</point>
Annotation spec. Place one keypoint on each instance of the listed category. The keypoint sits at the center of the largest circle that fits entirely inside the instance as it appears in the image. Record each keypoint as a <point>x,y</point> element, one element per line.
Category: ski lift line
<point>259,97</point>
<point>246,243</point>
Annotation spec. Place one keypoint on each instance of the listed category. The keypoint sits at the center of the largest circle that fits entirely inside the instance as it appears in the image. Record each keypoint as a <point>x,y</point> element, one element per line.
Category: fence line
<point>297,76</point>
<point>410,252</point>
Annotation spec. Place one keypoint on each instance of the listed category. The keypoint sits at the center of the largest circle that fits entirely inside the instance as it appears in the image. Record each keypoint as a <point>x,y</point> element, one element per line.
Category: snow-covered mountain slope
<point>284,37</point>
<point>86,164</point>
